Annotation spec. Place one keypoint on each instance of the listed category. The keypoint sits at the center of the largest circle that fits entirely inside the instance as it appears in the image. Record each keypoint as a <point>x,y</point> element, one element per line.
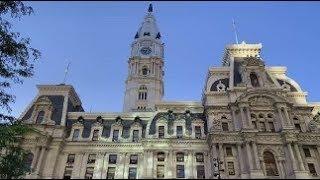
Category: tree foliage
<point>17,57</point>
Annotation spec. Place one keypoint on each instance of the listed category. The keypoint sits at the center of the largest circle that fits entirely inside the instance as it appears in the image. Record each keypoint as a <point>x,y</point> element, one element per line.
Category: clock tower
<point>144,85</point>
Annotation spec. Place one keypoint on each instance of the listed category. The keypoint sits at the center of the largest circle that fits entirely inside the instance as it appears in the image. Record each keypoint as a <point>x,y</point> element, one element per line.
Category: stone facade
<point>252,118</point>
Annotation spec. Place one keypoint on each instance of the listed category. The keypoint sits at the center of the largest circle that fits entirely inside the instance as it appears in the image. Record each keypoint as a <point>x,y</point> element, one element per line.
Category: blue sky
<point>96,38</point>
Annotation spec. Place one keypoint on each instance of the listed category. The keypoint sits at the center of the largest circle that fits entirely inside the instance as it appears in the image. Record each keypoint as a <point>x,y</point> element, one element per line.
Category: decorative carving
<point>260,101</point>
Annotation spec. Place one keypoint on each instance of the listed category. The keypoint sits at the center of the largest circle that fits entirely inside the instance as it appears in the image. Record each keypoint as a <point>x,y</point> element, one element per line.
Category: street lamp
<point>217,170</point>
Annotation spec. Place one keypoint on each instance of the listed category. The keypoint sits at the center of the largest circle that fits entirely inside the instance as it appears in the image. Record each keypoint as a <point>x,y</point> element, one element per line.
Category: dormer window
<point>146,34</point>
<point>254,80</point>
<point>75,135</point>
<point>40,117</point>
<point>95,135</point>
<point>179,132</point>
<point>161,132</point>
<point>115,136</point>
<point>198,132</point>
<point>135,136</point>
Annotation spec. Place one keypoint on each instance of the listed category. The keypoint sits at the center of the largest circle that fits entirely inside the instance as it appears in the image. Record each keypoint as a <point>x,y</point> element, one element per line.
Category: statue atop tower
<point>144,84</point>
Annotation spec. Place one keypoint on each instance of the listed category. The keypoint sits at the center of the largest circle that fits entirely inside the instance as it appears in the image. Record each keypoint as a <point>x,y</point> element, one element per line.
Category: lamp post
<point>217,170</point>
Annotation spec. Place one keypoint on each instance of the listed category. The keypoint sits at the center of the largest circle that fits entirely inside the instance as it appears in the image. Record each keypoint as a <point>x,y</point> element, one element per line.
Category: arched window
<point>270,164</point>
<point>145,70</point>
<point>161,156</point>
<point>254,80</point>
<point>143,93</point>
<point>40,117</point>
<point>29,159</point>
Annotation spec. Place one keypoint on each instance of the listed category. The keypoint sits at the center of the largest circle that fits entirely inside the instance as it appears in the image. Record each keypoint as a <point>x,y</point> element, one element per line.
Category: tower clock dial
<point>145,50</point>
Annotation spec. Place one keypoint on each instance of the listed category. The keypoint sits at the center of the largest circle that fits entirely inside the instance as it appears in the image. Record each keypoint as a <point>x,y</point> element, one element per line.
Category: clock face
<point>145,50</point>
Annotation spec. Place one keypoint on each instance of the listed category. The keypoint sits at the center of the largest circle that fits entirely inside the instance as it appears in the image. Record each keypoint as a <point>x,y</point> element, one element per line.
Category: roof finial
<point>150,9</point>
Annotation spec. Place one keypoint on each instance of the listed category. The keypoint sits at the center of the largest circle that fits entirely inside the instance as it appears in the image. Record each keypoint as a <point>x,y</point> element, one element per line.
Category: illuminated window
<point>112,159</point>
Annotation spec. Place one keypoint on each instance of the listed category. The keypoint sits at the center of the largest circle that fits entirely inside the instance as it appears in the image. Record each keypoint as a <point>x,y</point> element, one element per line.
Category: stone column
<point>244,122</point>
<point>294,164</point>
<point>35,157</point>
<point>234,119</point>
<point>249,154</point>
<point>249,122</point>
<point>287,117</point>
<point>240,159</point>
<point>221,158</point>
<point>301,166</point>
<point>283,123</point>
<point>83,165</point>
<point>120,169</point>
<point>39,163</point>
<point>318,149</point>
<point>104,166</point>
<point>140,170</point>
<point>256,157</point>
<point>98,167</point>
<point>189,166</point>
<point>125,166</point>
<point>281,170</point>
<point>169,158</point>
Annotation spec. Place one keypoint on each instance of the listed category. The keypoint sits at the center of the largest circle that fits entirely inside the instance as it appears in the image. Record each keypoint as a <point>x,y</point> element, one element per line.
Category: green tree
<point>17,59</point>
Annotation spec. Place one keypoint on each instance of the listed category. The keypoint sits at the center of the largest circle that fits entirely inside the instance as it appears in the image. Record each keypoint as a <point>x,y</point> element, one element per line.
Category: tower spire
<point>150,9</point>
<point>235,30</point>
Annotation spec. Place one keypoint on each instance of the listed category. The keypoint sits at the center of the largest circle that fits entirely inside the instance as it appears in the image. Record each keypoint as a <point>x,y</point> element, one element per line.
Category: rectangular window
<point>95,135</point>
<point>89,173</point>
<point>180,171</point>
<point>76,133</point>
<point>91,159</point>
<point>132,173</point>
<point>134,159</point>
<point>111,172</point>
<point>231,168</point>
<point>262,126</point>
<point>135,136</point>
<point>198,132</point>
<point>71,158</point>
<point>297,126</point>
<point>180,157</point>
<point>271,126</point>
<point>200,172</point>
<point>307,152</point>
<point>112,159</point>
<point>115,136</point>
<point>254,124</point>
<point>179,132</point>
<point>68,172</point>
<point>229,151</point>
<point>312,169</point>
<point>160,171</point>
<point>199,157</point>
<point>225,126</point>
<point>161,132</point>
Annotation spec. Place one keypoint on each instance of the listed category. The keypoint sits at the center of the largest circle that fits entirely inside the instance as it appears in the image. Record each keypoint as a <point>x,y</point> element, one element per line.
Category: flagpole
<point>235,31</point>
<point>66,72</point>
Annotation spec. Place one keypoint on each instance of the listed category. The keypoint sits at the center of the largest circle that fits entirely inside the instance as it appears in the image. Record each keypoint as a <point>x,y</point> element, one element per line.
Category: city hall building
<point>253,121</point>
